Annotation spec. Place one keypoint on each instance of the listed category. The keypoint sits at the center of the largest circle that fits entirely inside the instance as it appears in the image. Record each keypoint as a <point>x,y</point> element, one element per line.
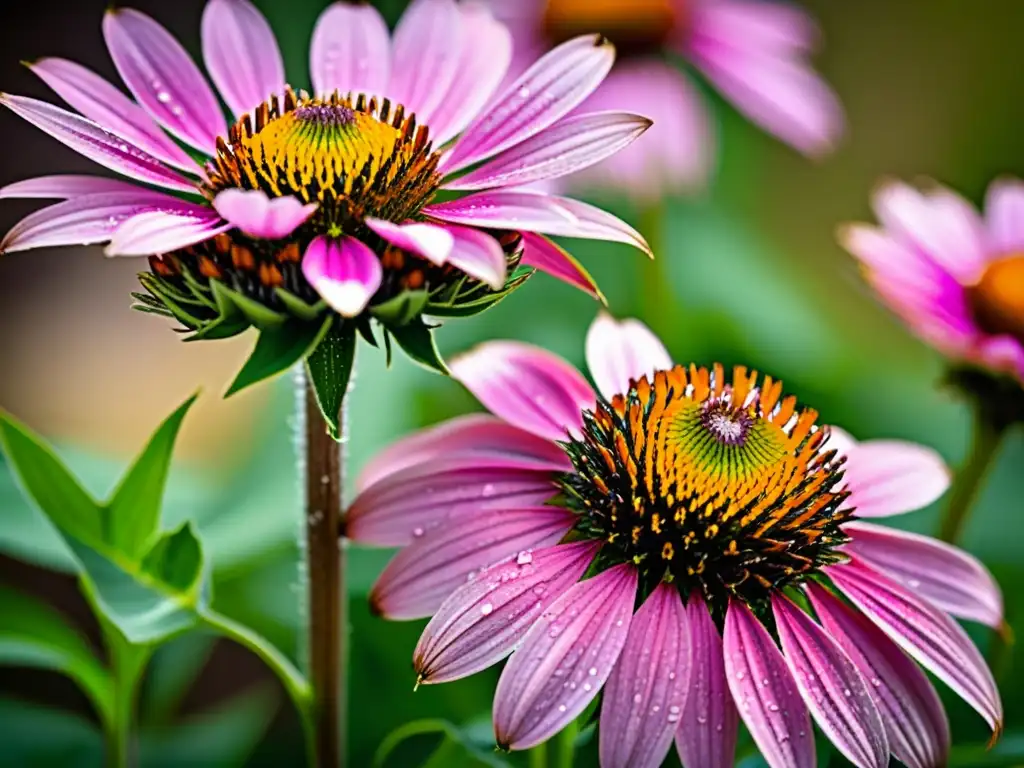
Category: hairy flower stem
<point>325,568</point>
<point>988,435</point>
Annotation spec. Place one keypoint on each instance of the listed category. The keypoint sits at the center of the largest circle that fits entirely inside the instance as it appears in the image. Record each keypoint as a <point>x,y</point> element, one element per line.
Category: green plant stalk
<point>538,756</point>
<point>656,301</point>
<point>565,745</point>
<point>128,663</point>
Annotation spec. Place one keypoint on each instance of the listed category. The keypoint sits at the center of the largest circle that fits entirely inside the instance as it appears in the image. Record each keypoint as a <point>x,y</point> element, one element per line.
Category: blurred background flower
<point>754,275</point>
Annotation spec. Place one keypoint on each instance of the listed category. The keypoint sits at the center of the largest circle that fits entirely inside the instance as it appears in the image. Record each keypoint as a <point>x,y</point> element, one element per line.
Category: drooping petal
<point>707,730</point>
<point>575,644</point>
<point>65,187</point>
<point>765,692</point>
<point>568,146</point>
<point>540,253</point>
<point>947,576</point>
<point>105,105</point>
<point>619,352</point>
<point>162,232</point>
<point>351,50</point>
<point>926,633</point>
<point>915,722</point>
<point>644,697</point>
<point>1004,215</point>
<point>345,272</point>
<point>427,48</point>
<point>422,575</point>
<point>478,255</point>
<point>484,60</point>
<point>430,241</point>
<point>95,143</point>
<point>769,27</point>
<point>420,498</point>
<point>163,78</point>
<point>86,219</point>
<point>890,258</point>
<point>241,54</point>
<point>547,91</point>
<point>890,477</point>
<point>832,687</point>
<point>599,224</point>
<point>483,621</point>
<point>527,386</point>
<point>257,215</point>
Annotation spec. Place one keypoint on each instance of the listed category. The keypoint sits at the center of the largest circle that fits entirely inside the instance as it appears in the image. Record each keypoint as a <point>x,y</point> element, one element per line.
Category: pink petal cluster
<point>445,63</point>
<point>482,555</point>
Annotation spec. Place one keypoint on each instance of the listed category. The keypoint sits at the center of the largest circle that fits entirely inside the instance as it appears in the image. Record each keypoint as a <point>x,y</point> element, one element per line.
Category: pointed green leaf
<point>300,308</point>
<point>401,309</point>
<point>222,296</point>
<point>454,747</point>
<point>133,512</point>
<point>417,341</point>
<point>259,315</point>
<point>329,368</point>
<point>278,349</point>
<point>223,327</point>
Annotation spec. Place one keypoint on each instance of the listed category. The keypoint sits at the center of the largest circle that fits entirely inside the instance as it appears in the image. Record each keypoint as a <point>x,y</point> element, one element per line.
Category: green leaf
<point>133,512</point>
<point>36,736</point>
<point>298,307</point>
<point>256,313</point>
<point>454,747</point>
<point>401,309</point>
<point>171,674</point>
<point>34,635</point>
<point>417,341</point>
<point>329,368</point>
<point>277,349</point>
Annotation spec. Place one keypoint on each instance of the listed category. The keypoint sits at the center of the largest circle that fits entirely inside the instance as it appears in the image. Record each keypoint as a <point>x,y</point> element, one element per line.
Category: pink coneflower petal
<point>241,54</point>
<point>478,255</point>
<point>890,258</point>
<point>95,143</point>
<point>644,697</point>
<point>65,187</point>
<point>484,59</point>
<point>427,47</point>
<point>87,219</point>
<point>162,231</point>
<point>890,477</point>
<point>163,78</point>
<point>483,621</point>
<point>350,50</point>
<point>105,105</point>
<point>423,574</point>
<point>527,386</point>
<point>430,241</point>
<point>547,91</point>
<point>707,730</point>
<point>564,659</point>
<point>540,253</point>
<point>1002,353</point>
<point>945,575</point>
<point>832,687</point>
<point>398,512</point>
<point>1004,215</point>
<point>620,352</point>
<point>773,27</point>
<point>568,146</point>
<point>345,272</point>
<point>260,216</point>
<point>926,633</point>
<point>915,722</point>
<point>598,224</point>
<point>765,692</point>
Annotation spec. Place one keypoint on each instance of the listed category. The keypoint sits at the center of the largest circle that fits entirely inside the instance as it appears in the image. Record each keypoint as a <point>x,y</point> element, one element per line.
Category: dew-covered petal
<point>483,61</point>
<point>832,687</point>
<point>478,255</point>
<point>540,253</point>
<point>566,147</point>
<point>947,576</point>
<point>1004,215</point>
<point>163,78</point>
<point>257,215</point>
<point>65,187</point>
<point>344,271</point>
<point>915,722</point>
<point>427,48</point>
<point>707,731</point>
<point>644,697</point>
<point>422,575</point>
<point>936,641</point>
<point>483,621</point>
<point>95,143</point>
<point>105,105</point>
<point>241,54</point>
<point>620,352</point>
<point>527,386</point>
<point>765,692</point>
<point>350,50</point>
<point>162,232</point>
<point>547,91</point>
<point>430,241</point>
<point>575,643</point>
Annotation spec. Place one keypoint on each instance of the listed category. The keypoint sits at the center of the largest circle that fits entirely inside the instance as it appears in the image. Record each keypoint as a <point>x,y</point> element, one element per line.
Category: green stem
<point>538,756</point>
<point>988,434</point>
<point>565,745</point>
<point>656,301</point>
<point>128,663</point>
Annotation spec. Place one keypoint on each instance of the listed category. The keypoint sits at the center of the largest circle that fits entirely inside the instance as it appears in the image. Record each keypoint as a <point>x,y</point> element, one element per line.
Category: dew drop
<point>637,698</point>
<point>561,707</point>
<point>417,532</point>
<point>525,558</point>
<point>592,671</point>
<point>163,97</point>
<point>486,609</point>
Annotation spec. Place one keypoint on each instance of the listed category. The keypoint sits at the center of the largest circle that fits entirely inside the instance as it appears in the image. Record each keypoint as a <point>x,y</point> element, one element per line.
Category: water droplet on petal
<point>486,609</point>
<point>525,558</point>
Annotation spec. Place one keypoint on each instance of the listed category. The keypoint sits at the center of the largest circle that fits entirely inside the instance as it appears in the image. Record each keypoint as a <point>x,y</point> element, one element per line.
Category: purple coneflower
<point>688,543</point>
<point>303,202</point>
<point>755,53</point>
